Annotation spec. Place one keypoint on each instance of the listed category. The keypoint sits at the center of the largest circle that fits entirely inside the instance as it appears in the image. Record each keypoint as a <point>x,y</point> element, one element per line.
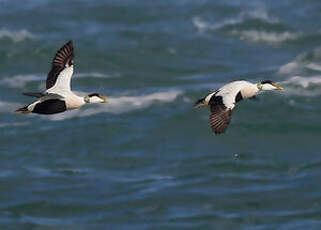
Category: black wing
<point>220,115</point>
<point>64,58</point>
<point>31,94</point>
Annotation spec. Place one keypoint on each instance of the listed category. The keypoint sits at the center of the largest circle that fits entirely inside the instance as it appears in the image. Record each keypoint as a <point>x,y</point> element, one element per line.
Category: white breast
<point>249,90</point>
<point>73,101</point>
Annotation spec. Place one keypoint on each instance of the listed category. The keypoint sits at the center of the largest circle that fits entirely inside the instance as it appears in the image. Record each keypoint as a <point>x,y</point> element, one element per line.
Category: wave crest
<point>303,86</point>
<point>264,36</point>
<point>21,80</point>
<point>256,14</point>
<point>13,124</point>
<point>243,28</point>
<point>6,106</point>
<point>117,105</point>
<point>307,61</point>
<point>16,35</point>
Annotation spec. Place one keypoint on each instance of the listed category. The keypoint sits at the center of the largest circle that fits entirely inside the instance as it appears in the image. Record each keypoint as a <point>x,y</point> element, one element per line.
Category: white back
<point>229,92</point>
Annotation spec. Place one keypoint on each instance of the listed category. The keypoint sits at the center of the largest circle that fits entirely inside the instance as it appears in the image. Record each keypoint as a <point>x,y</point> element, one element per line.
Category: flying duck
<point>58,96</point>
<point>223,100</point>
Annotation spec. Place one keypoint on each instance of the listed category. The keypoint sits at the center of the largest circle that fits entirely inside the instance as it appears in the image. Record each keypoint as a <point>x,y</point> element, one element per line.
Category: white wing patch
<point>62,85</point>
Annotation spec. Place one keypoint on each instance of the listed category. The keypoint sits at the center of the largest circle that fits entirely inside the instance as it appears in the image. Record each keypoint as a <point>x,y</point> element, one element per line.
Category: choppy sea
<point>147,160</point>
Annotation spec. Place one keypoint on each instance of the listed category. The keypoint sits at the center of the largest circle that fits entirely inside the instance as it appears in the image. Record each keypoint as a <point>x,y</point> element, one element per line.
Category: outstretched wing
<point>61,71</point>
<point>220,115</point>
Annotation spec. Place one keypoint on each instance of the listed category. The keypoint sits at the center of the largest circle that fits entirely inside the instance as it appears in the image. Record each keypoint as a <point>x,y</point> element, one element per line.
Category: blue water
<point>146,159</point>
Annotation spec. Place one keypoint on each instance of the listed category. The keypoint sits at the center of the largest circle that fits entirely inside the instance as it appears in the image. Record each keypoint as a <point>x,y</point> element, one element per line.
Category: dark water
<point>147,160</point>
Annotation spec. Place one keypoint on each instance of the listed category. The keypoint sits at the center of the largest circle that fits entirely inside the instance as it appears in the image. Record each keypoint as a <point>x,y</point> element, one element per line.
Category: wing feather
<point>220,115</point>
<point>32,94</point>
<point>62,67</point>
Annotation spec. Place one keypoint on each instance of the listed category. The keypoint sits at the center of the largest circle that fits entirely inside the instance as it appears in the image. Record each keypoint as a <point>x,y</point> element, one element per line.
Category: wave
<point>305,67</point>
<point>96,75</point>
<point>117,105</point>
<point>264,36</point>
<point>307,61</point>
<point>21,80</point>
<point>13,124</point>
<point>203,25</point>
<point>243,28</point>
<point>6,106</point>
<point>258,13</point>
<point>304,82</point>
<point>303,86</point>
<point>291,68</point>
<point>16,35</point>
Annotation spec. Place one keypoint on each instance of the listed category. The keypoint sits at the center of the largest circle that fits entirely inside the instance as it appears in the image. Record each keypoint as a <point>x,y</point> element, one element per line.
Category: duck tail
<point>199,103</point>
<point>23,110</point>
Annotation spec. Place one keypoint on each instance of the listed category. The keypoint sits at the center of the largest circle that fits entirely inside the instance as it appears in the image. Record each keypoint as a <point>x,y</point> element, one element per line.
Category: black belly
<point>50,107</point>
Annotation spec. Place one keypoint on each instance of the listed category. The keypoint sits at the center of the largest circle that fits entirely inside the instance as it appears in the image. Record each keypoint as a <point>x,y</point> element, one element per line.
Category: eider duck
<point>58,96</point>
<point>223,100</point>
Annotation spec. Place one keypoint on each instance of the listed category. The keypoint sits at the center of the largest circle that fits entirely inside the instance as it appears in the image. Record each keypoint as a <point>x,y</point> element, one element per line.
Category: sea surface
<point>147,160</point>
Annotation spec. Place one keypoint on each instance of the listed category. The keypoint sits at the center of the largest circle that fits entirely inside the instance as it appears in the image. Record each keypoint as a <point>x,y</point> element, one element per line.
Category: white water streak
<point>304,61</point>
<point>13,124</point>
<point>117,105</point>
<point>21,80</point>
<point>263,36</point>
<point>303,86</point>
<point>16,35</point>
<point>249,34</point>
<point>258,13</point>
<point>6,106</point>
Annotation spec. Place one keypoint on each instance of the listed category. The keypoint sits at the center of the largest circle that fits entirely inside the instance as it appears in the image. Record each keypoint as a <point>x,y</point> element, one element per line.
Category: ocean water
<point>147,159</point>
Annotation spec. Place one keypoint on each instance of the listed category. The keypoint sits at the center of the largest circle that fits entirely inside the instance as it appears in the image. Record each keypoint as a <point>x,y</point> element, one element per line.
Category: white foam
<point>20,80</point>
<point>303,86</point>
<point>248,34</point>
<point>257,13</point>
<point>313,66</point>
<point>264,36</point>
<point>117,105</point>
<point>260,13</point>
<point>297,66</point>
<point>16,35</point>
<point>306,60</point>
<point>290,67</point>
<point>304,82</point>
<point>202,25</point>
<point>96,75</point>
<point>6,106</point>
<point>13,124</point>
